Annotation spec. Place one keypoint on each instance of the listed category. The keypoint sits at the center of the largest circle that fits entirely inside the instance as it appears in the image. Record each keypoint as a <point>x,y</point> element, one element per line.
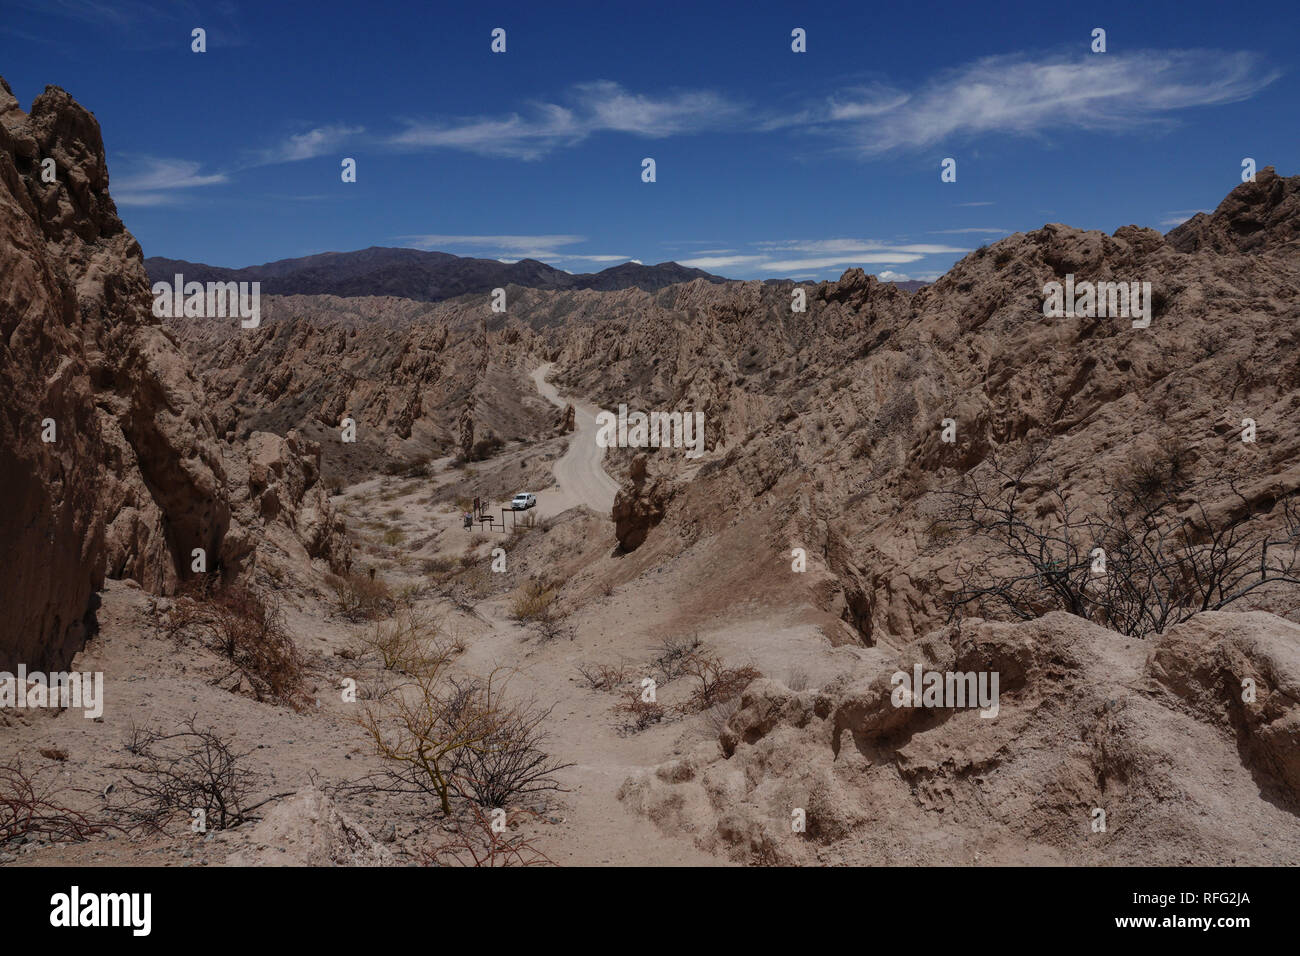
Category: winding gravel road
<point>578,472</point>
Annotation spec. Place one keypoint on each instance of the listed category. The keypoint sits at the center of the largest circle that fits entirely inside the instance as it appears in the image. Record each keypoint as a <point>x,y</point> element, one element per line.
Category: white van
<point>522,501</point>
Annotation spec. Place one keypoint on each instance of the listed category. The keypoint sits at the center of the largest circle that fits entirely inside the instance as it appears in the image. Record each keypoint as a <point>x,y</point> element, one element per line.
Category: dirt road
<point>581,479</point>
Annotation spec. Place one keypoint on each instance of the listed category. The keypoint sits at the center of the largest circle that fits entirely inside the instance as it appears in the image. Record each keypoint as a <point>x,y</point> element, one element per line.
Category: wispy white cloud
<point>308,145</point>
<point>969,229</point>
<point>587,109</point>
<point>1018,94</point>
<point>818,255</point>
<point>722,262</point>
<point>865,103</point>
<point>1025,95</point>
<point>888,275</point>
<point>156,181</point>
<point>837,262</point>
<point>858,247</point>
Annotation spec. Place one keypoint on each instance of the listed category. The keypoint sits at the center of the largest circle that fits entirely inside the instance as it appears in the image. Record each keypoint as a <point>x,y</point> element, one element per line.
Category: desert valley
<point>324,633</point>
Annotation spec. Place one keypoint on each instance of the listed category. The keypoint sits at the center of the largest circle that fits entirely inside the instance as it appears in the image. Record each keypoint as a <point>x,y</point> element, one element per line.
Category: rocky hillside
<point>111,463</point>
<point>420,381</point>
<point>827,425</point>
<point>1150,742</point>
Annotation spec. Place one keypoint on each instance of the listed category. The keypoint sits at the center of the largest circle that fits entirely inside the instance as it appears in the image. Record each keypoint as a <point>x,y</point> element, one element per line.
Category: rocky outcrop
<point>1241,671</point>
<point>465,433</point>
<point>131,482</point>
<point>287,498</point>
<point>308,829</point>
<point>1078,728</point>
<point>845,403</point>
<point>639,505</point>
<point>110,461</point>
<point>1255,216</point>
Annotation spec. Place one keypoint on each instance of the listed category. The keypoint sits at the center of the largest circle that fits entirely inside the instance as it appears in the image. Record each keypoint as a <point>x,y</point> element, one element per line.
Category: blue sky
<point>769,162</point>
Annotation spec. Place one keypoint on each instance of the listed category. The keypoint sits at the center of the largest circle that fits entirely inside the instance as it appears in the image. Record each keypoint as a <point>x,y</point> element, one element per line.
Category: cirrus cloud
<point>1022,94</point>
<point>587,109</point>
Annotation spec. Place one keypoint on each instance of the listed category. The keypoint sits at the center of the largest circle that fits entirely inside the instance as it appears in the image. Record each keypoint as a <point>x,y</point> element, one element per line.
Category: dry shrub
<point>410,643</point>
<point>248,630</point>
<point>716,682</point>
<point>475,841</point>
<point>468,589</point>
<point>513,761</point>
<point>532,601</point>
<point>416,467</point>
<point>393,537</point>
<point>174,774</point>
<point>674,652</point>
<point>485,448</point>
<point>550,626</point>
<point>29,806</point>
<point>361,597</point>
<point>605,676</point>
<point>377,688</point>
<point>717,716</point>
<point>641,714</point>
<point>1150,480</point>
<point>418,730</point>
<point>408,594</point>
<point>439,569</point>
<point>1164,561</point>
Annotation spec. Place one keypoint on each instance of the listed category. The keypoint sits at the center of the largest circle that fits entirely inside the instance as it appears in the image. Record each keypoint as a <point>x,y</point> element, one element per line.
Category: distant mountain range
<point>430,276</point>
<point>422,276</point>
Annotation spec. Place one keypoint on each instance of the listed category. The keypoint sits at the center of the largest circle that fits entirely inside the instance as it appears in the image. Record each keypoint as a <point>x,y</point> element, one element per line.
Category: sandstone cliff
<point>131,480</point>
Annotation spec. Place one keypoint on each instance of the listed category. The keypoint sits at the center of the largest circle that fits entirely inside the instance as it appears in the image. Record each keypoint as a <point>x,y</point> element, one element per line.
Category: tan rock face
<point>1241,671</point>
<point>638,506</point>
<point>415,377</point>
<point>133,481</point>
<point>1079,727</point>
<point>844,404</point>
<point>284,488</point>
<point>1254,216</point>
<point>51,527</point>
<point>308,829</point>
